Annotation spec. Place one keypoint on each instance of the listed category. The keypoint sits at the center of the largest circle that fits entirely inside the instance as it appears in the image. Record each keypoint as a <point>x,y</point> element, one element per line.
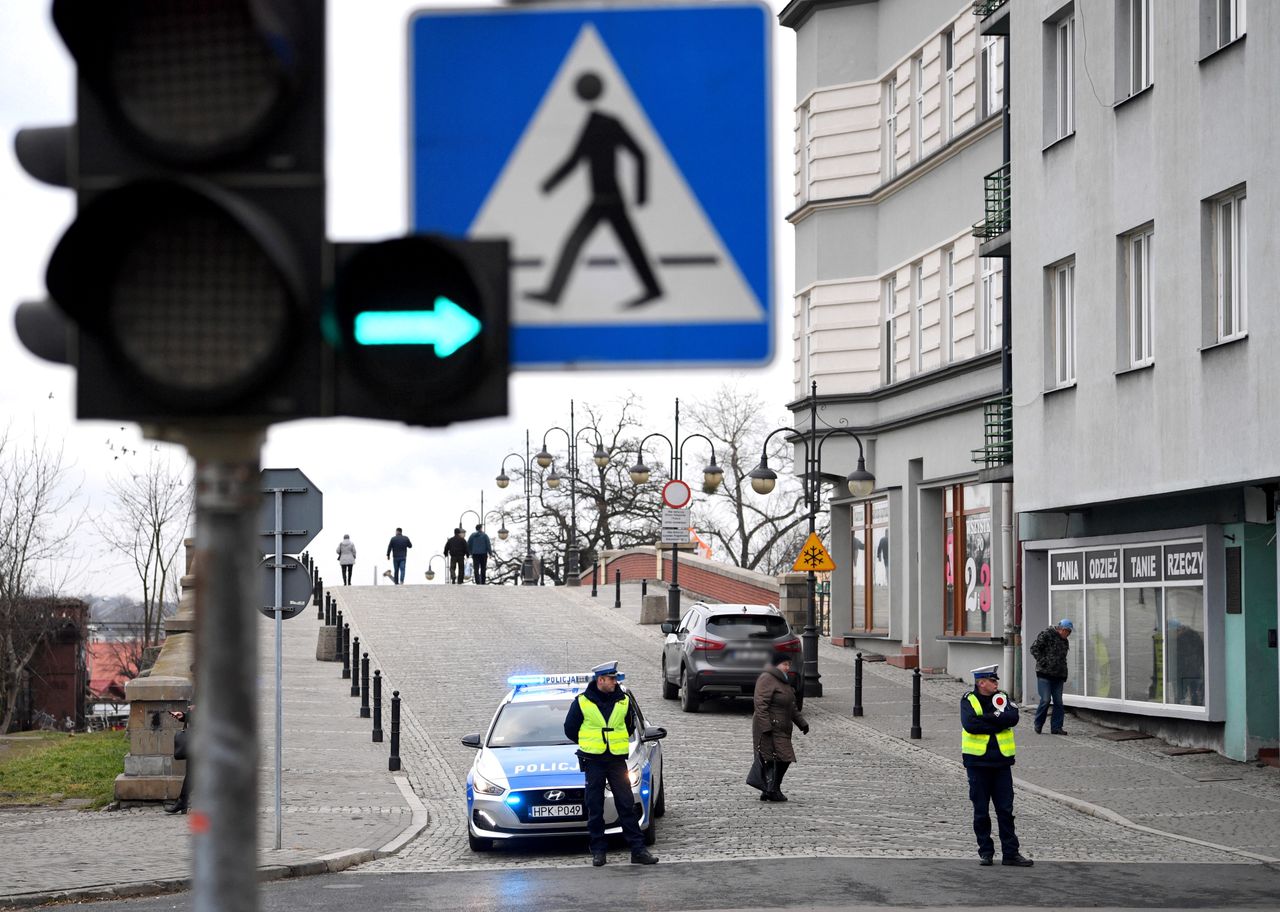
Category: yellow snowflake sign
<point>813,556</point>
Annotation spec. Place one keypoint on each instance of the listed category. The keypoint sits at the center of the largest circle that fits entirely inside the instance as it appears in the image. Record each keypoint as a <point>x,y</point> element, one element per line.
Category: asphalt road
<point>806,883</point>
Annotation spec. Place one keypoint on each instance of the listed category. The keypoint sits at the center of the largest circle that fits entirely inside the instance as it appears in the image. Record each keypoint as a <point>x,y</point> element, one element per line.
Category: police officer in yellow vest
<point>987,718</point>
<point>601,721</point>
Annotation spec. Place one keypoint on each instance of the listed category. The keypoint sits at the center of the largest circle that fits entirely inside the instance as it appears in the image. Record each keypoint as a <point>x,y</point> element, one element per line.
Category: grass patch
<point>54,766</point>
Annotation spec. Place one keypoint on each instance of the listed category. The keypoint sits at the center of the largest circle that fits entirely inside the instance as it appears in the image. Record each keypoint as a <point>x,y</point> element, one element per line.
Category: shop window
<point>966,570</point>
<point>1139,617</point>
<point>870,566</point>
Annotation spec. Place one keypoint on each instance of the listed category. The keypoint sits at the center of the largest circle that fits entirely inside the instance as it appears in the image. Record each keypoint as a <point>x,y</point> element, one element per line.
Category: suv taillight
<point>702,644</point>
<point>792,645</point>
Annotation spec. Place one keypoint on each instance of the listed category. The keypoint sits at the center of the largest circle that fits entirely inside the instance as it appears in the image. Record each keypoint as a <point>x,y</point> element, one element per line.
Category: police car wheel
<point>660,803</point>
<point>669,691</point>
<point>650,832</point>
<point>689,701</point>
<point>478,844</point>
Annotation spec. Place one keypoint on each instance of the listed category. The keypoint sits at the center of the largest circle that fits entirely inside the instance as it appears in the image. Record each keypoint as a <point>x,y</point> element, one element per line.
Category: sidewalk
<point>340,805</point>
<point>1139,782</point>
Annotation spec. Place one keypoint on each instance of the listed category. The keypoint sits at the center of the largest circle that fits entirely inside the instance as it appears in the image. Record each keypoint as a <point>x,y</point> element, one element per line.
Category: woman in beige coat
<point>775,715</point>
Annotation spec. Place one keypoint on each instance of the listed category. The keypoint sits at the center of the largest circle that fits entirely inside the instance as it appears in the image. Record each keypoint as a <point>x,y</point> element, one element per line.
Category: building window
<point>1138,44</point>
<point>806,339</point>
<point>990,88</point>
<point>947,318</point>
<point>890,139</point>
<point>988,328</point>
<point>1064,104</point>
<point>1230,20</point>
<point>1230,265</point>
<point>1137,296</point>
<point>1139,617</point>
<point>966,561</point>
<point>890,330</point>
<point>917,107</point>
<point>917,317</point>
<point>948,84</point>
<point>871,566</point>
<point>1062,323</point>
<point>806,150</point>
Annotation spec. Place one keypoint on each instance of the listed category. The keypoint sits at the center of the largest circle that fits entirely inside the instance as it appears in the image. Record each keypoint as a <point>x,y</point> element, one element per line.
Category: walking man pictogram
<point>598,145</point>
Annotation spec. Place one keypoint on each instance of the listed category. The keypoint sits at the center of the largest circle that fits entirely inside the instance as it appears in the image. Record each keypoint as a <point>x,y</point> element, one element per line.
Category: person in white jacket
<point>346,558</point>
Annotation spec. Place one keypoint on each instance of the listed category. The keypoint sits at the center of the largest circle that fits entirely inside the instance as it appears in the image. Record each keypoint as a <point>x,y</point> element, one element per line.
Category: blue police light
<point>513,800</point>
<point>448,327</point>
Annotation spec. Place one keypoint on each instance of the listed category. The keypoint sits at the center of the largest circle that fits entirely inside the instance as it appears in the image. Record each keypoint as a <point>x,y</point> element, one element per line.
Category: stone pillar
<point>793,599</point>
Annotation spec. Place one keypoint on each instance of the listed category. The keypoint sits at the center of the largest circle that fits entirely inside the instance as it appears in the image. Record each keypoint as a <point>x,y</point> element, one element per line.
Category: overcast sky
<point>374,475</point>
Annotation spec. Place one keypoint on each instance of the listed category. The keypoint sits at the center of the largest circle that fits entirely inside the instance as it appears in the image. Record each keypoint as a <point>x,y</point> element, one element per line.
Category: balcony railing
<point>998,197</point>
<point>984,8</point>
<point>997,433</point>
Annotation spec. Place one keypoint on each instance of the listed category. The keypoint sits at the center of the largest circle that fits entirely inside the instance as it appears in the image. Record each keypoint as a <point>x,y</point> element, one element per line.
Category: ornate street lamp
<point>431,571</point>
<point>860,483</point>
<point>527,572</point>
<point>553,480</point>
<point>712,475</point>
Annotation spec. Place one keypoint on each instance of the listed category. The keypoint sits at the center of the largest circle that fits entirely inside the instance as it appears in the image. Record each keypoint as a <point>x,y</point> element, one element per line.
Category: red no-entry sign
<point>676,494</point>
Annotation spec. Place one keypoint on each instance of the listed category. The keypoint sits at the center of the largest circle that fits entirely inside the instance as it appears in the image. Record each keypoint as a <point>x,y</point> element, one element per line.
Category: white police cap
<point>986,671</point>
<point>606,668</point>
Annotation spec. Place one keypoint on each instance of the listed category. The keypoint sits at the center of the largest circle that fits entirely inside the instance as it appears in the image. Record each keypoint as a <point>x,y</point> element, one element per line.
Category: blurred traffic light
<point>193,272</point>
<point>419,327</point>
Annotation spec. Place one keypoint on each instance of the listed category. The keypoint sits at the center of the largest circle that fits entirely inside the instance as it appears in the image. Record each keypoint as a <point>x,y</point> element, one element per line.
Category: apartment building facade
<point>898,318</point>
<point>1144,355</point>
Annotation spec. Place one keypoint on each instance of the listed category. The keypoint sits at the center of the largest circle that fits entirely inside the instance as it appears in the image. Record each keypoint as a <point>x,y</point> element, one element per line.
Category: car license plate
<point>556,810</point>
<point>748,655</point>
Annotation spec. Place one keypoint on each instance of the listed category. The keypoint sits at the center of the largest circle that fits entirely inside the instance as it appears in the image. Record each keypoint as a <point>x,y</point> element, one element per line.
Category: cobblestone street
<point>857,791</point>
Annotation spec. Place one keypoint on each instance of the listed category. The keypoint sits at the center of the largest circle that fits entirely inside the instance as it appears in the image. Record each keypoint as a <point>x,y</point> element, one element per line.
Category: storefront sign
<point>1102,566</point>
<point>1142,565</point>
<point>1184,562</point>
<point>1066,569</point>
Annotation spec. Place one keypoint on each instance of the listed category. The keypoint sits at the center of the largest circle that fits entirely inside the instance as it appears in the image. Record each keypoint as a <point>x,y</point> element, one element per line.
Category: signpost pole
<point>279,607</point>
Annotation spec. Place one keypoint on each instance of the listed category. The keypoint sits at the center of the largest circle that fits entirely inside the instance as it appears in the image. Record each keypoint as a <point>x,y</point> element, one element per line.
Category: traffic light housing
<point>193,272</point>
<point>419,329</point>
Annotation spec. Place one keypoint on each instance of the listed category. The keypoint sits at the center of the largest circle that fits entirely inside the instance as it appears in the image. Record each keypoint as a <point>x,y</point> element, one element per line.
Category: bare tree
<point>757,532</point>
<point>36,525</point>
<point>146,524</point>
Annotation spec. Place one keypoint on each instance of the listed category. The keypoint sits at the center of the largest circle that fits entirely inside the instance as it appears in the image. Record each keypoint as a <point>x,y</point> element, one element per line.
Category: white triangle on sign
<point>699,280</point>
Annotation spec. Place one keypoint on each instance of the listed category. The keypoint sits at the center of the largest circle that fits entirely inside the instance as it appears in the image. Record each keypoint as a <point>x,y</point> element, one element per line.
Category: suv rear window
<point>747,626</point>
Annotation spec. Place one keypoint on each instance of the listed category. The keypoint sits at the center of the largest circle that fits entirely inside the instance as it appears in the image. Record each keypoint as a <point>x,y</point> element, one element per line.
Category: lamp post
<point>503,532</point>
<point>479,515</point>
<point>546,460</point>
<point>526,571</point>
<point>860,483</point>
<point>712,475</point>
<point>431,573</point>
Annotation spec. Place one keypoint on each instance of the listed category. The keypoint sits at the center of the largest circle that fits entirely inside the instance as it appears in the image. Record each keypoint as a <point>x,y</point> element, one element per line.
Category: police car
<point>525,780</point>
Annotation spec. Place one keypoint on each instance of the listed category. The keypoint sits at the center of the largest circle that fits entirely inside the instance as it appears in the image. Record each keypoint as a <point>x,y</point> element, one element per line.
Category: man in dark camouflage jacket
<point>1050,652</point>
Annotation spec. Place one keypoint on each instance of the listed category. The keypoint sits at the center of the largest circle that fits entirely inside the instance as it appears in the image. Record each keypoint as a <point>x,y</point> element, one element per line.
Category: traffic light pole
<point>224,818</point>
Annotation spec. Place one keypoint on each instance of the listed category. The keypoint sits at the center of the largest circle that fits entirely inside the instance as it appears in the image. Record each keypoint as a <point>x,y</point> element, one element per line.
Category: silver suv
<point>720,650</point>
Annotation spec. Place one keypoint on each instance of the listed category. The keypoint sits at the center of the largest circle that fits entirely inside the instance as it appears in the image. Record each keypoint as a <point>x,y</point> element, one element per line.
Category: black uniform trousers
<point>993,785</point>
<point>457,569</point>
<point>613,771</point>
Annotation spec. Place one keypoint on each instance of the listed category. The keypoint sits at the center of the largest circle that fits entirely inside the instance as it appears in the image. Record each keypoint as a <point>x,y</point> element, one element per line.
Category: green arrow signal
<point>448,327</point>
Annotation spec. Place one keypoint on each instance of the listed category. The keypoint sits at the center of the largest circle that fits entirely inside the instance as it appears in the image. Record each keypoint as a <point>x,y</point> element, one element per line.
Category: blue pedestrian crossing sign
<point>624,152</point>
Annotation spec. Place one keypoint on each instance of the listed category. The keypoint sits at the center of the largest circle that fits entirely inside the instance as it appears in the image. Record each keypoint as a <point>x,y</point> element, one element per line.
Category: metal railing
<point>984,8</point>
<point>997,424</point>
<point>998,195</point>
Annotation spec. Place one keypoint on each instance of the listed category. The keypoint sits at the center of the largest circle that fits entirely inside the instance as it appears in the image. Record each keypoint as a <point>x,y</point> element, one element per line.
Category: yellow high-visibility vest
<point>976,745</point>
<point>595,734</point>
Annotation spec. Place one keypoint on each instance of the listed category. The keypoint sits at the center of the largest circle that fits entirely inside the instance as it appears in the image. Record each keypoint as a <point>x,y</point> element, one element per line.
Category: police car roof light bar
<point>532,680</point>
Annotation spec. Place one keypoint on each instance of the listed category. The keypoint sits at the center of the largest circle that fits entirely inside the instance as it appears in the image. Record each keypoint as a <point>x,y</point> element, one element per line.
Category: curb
<point>325,864</point>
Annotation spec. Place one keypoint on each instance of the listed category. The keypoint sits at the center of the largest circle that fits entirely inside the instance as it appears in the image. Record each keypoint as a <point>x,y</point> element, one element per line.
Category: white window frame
<point>806,150</point>
<point>917,107</point>
<point>891,127</point>
<point>1064,43</point>
<point>1230,264</point>
<point>1139,273</point>
<point>987,69</point>
<point>806,338</point>
<point>917,317</point>
<point>1140,45</point>
<point>948,315</point>
<point>987,305</point>
<point>948,84</point>
<point>1231,20</point>
<point>1062,320</point>
<point>890,292</point>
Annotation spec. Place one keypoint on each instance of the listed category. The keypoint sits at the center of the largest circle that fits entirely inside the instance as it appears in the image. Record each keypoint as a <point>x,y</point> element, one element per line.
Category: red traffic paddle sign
<point>676,494</point>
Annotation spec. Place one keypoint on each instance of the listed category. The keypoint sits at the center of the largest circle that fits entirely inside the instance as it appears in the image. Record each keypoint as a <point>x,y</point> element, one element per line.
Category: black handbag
<point>180,745</point>
<point>755,778</point>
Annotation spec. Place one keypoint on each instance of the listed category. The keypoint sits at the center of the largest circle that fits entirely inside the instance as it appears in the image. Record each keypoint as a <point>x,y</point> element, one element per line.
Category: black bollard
<point>915,705</point>
<point>594,568</point>
<point>344,644</point>
<point>328,607</point>
<point>394,763</point>
<point>644,587</point>
<point>617,588</point>
<point>364,686</point>
<point>355,666</point>
<point>321,605</point>
<point>377,705</point>
<point>857,684</point>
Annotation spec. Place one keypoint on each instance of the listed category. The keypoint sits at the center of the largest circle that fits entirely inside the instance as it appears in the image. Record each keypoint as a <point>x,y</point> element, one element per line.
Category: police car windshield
<point>531,724</point>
